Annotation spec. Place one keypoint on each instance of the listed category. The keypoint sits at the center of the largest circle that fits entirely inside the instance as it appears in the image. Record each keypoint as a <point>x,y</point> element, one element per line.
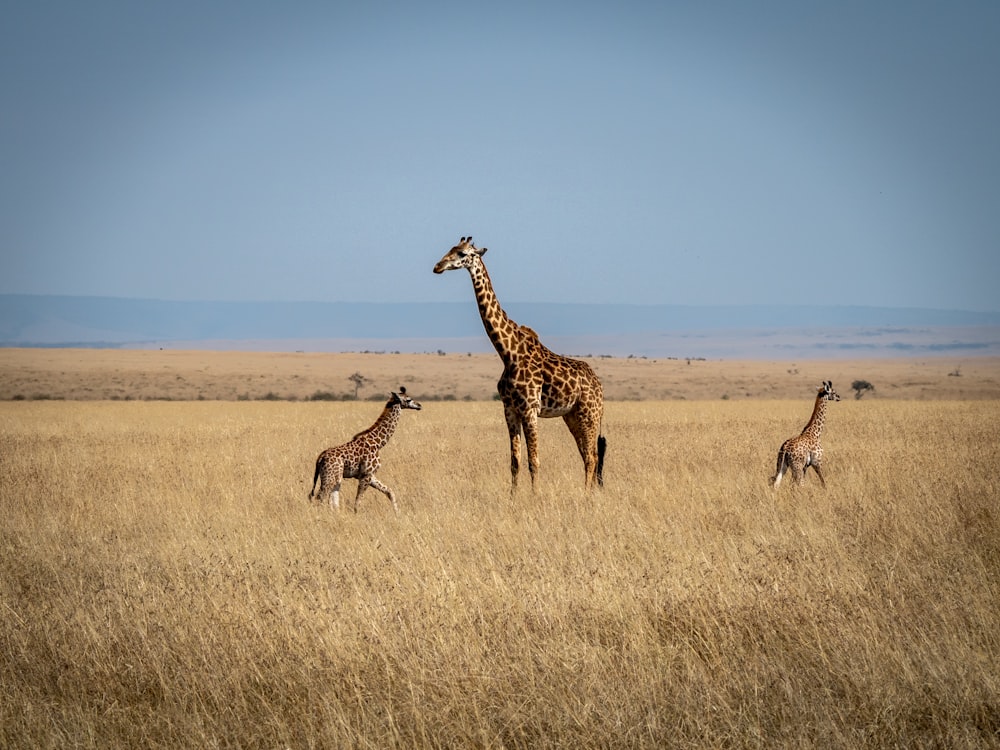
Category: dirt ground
<point>123,374</point>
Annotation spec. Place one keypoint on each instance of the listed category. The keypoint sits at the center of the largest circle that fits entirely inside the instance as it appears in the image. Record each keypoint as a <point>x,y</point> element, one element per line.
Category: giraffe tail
<point>312,492</point>
<point>602,447</point>
<point>779,470</point>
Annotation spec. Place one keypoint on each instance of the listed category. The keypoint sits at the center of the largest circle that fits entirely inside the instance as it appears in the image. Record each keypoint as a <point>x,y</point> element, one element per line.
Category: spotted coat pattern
<point>536,382</point>
<point>802,451</point>
<point>359,457</point>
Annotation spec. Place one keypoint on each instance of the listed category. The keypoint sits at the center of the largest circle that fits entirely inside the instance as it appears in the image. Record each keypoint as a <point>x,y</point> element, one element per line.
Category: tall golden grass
<point>165,583</point>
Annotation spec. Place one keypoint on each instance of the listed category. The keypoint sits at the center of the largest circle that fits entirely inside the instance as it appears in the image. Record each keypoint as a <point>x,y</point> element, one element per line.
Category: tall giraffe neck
<point>499,327</point>
<point>384,426</point>
<point>814,426</point>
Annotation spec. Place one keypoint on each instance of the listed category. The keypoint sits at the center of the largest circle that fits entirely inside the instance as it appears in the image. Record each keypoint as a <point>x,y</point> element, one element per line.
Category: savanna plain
<point>164,582</point>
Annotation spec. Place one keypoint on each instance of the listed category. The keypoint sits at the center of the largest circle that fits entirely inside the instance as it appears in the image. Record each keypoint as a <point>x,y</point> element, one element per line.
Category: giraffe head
<point>404,401</point>
<point>460,256</point>
<point>826,391</point>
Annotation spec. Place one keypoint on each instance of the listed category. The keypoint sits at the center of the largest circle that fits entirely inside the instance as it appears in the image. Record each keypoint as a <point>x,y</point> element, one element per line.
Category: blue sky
<point>676,152</point>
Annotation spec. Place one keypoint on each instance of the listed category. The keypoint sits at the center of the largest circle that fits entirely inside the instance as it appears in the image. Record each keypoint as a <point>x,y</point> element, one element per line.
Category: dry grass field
<point>164,582</point>
<point>121,374</point>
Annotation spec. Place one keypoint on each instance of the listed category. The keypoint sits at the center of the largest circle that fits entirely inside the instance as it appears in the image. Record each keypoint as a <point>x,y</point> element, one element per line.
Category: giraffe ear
<point>480,251</point>
<point>402,390</point>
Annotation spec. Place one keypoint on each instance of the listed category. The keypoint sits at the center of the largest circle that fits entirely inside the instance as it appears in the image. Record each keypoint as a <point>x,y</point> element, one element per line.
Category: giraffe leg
<point>814,460</point>
<point>385,491</point>
<point>514,430</point>
<point>819,474</point>
<point>798,473</point>
<point>585,435</point>
<point>363,483</point>
<point>531,442</point>
<point>329,486</point>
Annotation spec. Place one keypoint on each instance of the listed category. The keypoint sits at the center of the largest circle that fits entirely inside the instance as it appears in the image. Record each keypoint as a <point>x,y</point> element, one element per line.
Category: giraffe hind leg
<point>531,443</point>
<point>798,473</point>
<point>590,446</point>
<point>363,483</point>
<point>328,492</point>
<point>329,473</point>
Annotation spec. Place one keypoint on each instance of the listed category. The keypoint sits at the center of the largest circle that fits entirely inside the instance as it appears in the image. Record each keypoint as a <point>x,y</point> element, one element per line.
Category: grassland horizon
<point>190,375</point>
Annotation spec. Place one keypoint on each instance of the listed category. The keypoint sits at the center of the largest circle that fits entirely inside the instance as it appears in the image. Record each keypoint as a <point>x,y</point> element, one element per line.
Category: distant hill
<point>654,330</point>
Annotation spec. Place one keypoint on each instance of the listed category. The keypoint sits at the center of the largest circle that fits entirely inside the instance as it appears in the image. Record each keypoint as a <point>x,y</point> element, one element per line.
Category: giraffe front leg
<point>819,474</point>
<point>514,430</point>
<point>387,492</point>
<point>815,459</point>
<point>363,483</point>
<point>531,442</point>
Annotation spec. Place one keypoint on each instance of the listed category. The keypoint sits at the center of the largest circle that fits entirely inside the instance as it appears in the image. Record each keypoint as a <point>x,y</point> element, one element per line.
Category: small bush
<point>329,396</point>
<point>861,387</point>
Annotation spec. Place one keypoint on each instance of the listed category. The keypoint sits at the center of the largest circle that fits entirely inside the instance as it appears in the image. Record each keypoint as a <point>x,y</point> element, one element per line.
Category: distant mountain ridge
<point>50,320</point>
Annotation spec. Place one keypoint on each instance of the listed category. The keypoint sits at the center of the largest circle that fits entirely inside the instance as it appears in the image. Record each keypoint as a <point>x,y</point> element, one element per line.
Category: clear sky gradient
<point>675,152</point>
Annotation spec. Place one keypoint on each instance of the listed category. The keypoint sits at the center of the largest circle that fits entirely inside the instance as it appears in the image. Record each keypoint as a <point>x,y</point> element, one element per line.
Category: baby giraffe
<point>358,458</point>
<point>804,450</point>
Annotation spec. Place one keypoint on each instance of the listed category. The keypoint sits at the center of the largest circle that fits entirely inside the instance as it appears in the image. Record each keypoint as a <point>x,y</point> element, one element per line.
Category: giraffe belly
<point>353,469</point>
<point>557,410</point>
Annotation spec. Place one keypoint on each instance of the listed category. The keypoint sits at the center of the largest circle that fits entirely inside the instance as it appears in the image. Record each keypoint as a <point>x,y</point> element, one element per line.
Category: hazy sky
<point>674,152</point>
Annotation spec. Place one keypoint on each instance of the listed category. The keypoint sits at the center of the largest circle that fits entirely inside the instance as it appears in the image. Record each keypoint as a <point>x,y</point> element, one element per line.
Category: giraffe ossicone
<point>804,450</point>
<point>536,382</point>
<point>359,457</point>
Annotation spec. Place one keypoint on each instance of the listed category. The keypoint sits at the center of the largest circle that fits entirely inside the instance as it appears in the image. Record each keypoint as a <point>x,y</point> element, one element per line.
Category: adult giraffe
<point>536,382</point>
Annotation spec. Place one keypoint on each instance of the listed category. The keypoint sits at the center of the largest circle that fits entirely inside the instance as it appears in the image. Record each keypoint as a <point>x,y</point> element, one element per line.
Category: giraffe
<point>359,457</point>
<point>536,382</point>
<point>804,450</point>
